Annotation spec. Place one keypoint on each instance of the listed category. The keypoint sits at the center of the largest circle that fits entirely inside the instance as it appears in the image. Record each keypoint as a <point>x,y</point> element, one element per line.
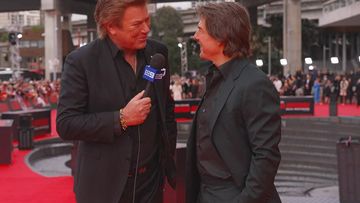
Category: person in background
<point>126,142</point>
<point>344,84</point>
<point>358,93</point>
<point>316,90</point>
<point>232,151</point>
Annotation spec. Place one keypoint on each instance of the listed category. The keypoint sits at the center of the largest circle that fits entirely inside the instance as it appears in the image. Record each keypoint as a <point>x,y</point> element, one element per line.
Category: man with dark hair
<point>126,140</point>
<point>232,151</point>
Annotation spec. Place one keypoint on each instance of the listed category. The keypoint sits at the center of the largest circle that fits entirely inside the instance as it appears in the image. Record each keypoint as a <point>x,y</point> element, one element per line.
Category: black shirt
<point>209,162</point>
<point>132,83</point>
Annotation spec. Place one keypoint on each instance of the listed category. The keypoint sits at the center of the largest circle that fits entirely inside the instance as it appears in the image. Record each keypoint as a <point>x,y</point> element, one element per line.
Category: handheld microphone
<point>156,63</point>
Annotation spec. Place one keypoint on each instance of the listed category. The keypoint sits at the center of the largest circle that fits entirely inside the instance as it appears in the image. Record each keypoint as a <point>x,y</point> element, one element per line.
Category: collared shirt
<point>132,83</point>
<point>210,164</point>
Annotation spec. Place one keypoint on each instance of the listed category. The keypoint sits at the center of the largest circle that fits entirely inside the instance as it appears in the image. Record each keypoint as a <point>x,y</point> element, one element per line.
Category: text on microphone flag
<point>149,73</point>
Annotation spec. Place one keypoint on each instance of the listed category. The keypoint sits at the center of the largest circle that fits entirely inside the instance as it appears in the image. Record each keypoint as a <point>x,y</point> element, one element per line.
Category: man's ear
<point>110,28</point>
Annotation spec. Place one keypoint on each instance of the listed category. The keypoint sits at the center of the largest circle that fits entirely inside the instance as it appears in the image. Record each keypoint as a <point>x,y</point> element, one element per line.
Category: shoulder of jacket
<point>252,74</point>
<point>156,45</point>
<point>89,51</point>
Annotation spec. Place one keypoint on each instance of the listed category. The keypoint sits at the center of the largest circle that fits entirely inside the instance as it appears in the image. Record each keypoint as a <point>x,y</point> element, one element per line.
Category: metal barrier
<point>185,109</point>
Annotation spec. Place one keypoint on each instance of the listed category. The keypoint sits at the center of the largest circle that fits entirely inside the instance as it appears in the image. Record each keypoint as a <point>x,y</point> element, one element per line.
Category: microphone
<point>156,63</point>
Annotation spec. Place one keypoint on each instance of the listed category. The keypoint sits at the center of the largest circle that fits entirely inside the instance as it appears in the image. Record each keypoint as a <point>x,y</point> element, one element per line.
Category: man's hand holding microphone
<point>138,108</point>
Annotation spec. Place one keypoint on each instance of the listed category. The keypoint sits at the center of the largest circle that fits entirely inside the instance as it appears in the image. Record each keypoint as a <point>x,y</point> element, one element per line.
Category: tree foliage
<point>167,27</point>
<point>260,44</point>
<point>310,42</point>
<point>4,37</point>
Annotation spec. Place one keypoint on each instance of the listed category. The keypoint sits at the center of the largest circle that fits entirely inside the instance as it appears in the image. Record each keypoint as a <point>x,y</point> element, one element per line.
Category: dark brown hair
<point>111,11</point>
<point>229,23</point>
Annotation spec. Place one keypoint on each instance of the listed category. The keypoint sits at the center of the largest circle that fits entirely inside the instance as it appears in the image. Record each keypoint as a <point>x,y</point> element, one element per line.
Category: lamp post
<point>18,57</point>
<point>283,62</point>
<point>334,60</point>
<point>308,61</point>
<point>269,55</point>
<point>324,55</point>
<point>259,62</point>
<point>183,57</point>
<point>333,93</point>
<point>14,39</point>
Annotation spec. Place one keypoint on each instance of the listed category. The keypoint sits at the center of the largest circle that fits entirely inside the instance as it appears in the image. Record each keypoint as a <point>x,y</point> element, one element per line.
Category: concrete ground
<point>55,166</point>
<point>317,195</point>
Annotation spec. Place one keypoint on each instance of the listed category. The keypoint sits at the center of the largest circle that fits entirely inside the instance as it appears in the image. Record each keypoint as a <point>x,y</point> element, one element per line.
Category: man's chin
<point>141,45</point>
<point>202,57</point>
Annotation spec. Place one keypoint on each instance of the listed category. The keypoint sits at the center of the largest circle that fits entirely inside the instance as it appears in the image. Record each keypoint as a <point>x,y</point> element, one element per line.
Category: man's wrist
<point>123,123</point>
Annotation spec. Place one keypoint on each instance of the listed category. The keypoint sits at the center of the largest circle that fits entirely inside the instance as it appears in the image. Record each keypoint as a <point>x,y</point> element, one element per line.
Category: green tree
<point>311,45</point>
<point>260,39</point>
<point>4,37</point>
<point>311,40</point>
<point>167,27</point>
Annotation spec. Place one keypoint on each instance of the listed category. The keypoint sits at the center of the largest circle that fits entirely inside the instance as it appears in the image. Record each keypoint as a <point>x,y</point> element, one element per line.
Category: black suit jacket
<point>90,94</point>
<point>245,130</point>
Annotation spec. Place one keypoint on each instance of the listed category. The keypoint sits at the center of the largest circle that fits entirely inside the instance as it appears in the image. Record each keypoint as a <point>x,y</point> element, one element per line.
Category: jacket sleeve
<point>170,126</point>
<point>263,125</point>
<point>73,121</point>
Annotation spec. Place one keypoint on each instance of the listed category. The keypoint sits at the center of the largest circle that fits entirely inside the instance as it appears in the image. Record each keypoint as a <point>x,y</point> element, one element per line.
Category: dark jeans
<point>149,187</point>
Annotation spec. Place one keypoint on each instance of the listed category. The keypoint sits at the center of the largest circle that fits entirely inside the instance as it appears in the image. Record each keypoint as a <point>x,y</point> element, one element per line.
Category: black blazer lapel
<point>221,97</point>
<point>225,89</point>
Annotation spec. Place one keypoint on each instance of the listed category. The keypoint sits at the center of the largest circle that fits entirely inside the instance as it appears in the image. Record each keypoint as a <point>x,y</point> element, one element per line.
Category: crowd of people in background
<point>345,87</point>
<point>187,87</point>
<point>320,85</point>
<point>30,93</point>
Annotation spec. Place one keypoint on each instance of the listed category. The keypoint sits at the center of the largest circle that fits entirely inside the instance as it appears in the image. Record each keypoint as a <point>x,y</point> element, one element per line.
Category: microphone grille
<point>157,61</point>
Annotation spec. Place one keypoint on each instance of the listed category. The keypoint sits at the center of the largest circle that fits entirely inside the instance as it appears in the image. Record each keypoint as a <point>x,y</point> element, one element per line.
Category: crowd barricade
<point>19,104</point>
<point>290,105</point>
<point>4,106</point>
<point>14,105</point>
<point>185,109</point>
<point>14,108</point>
<point>297,105</point>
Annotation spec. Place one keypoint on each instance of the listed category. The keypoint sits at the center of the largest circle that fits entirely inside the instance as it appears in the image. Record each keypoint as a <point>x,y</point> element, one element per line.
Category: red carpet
<point>18,184</point>
<point>322,110</point>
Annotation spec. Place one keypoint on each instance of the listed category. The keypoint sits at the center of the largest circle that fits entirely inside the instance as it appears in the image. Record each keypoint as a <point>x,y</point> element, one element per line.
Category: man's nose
<point>146,28</point>
<point>194,37</point>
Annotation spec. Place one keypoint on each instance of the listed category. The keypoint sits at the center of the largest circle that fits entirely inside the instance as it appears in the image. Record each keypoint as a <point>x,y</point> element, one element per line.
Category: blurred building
<point>21,18</point>
<point>310,9</point>
<point>339,23</point>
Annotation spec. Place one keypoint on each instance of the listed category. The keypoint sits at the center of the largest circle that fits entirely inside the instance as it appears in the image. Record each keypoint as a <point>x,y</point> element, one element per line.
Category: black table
<point>41,120</point>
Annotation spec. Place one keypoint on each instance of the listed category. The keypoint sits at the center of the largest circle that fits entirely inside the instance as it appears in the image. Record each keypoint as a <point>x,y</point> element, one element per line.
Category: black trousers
<point>149,187</point>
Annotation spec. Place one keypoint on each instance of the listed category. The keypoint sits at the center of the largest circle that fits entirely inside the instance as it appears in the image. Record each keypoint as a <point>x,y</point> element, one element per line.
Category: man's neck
<point>130,57</point>
<point>221,59</point>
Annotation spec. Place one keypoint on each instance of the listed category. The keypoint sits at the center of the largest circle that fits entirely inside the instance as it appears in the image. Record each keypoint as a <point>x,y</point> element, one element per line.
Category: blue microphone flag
<point>149,73</point>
